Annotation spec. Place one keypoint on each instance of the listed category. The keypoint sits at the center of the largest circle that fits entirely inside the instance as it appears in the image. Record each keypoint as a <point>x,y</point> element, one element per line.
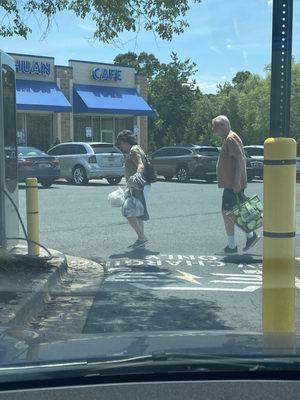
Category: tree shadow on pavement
<point>88,184</point>
<point>136,311</point>
<point>190,182</point>
<point>23,187</point>
<point>134,254</point>
<point>242,258</point>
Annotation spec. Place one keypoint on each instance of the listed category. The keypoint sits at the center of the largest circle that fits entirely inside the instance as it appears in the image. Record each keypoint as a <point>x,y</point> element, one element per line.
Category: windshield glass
<point>209,151</point>
<point>100,148</point>
<point>166,219</point>
<point>30,152</point>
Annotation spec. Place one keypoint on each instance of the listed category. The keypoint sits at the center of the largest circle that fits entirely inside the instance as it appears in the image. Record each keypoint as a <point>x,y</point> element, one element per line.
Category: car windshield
<point>149,184</point>
<point>209,151</point>
<point>104,148</point>
<point>30,152</point>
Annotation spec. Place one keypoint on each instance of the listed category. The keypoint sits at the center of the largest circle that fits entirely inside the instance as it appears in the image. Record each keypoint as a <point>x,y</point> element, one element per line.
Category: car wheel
<point>114,181</point>
<point>261,176</point>
<point>79,175</point>
<point>168,177</point>
<point>46,183</point>
<point>250,178</point>
<point>210,179</point>
<point>182,174</point>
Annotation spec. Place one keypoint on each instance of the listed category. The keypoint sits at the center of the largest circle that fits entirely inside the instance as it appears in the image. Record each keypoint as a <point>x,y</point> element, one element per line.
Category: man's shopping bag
<point>247,214</point>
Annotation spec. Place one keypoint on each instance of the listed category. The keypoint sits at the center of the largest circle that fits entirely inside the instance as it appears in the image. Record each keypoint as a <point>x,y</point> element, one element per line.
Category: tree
<point>171,94</point>
<point>199,129</point>
<point>240,79</point>
<point>164,17</point>
<point>295,101</point>
<point>245,100</point>
<point>144,63</point>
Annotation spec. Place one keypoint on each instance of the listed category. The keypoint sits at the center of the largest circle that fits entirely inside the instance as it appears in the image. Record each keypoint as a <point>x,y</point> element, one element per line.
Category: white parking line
<point>196,289</point>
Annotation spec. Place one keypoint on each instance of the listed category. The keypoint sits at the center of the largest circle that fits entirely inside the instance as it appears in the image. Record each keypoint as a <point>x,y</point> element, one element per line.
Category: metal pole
<point>32,206</point>
<point>2,167</point>
<point>278,295</point>
<point>281,68</point>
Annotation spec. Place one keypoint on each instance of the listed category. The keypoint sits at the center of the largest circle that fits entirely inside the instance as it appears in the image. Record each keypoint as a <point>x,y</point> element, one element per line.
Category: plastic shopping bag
<point>132,207</point>
<point>116,198</point>
<point>247,214</point>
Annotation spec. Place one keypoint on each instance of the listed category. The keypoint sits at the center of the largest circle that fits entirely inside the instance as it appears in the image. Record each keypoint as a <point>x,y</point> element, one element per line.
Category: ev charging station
<point>9,224</point>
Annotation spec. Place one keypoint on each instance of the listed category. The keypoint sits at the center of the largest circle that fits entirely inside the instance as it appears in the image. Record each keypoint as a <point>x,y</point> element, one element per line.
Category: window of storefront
<point>39,129</point>
<point>96,125</point>
<point>107,129</point>
<point>80,125</point>
<point>123,123</point>
<point>35,130</point>
<point>104,129</point>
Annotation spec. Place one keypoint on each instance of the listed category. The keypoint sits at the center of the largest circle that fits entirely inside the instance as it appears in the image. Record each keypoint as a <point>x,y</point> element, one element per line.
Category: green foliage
<point>144,63</point>
<point>172,95</point>
<point>185,114</point>
<point>164,17</point>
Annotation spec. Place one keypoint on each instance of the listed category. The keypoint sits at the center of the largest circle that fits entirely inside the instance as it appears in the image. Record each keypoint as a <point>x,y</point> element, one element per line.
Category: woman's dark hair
<point>126,136</point>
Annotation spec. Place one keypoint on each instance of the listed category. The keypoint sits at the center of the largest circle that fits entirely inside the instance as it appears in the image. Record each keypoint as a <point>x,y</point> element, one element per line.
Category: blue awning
<point>110,100</point>
<point>40,96</point>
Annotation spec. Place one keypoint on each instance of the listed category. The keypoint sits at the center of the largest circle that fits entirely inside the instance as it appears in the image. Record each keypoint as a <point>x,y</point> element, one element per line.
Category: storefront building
<point>84,101</point>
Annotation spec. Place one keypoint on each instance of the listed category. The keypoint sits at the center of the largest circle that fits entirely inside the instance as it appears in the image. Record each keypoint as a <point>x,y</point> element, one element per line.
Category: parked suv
<point>186,162</point>
<point>81,161</point>
<point>256,155</point>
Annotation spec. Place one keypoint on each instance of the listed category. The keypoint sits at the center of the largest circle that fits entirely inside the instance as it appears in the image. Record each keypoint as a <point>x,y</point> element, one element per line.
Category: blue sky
<point>224,37</point>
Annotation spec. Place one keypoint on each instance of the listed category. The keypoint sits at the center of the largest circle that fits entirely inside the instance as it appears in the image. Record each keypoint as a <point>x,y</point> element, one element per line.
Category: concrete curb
<point>34,301</point>
<point>73,297</point>
<point>35,298</point>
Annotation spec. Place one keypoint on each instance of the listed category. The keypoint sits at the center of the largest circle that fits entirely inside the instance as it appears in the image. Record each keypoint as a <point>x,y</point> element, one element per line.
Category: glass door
<point>107,129</point>
<point>108,136</point>
<point>96,125</point>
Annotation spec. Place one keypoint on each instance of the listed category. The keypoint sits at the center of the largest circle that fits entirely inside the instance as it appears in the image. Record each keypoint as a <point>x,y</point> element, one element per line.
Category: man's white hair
<point>223,121</point>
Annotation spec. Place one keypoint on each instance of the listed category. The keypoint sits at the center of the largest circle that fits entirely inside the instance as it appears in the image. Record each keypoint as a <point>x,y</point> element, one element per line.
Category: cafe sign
<point>106,74</point>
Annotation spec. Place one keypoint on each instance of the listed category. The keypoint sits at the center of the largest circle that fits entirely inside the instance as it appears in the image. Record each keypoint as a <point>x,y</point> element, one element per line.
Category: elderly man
<point>232,177</point>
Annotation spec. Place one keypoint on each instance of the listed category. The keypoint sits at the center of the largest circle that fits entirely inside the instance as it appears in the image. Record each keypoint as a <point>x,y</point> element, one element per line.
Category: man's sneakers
<point>251,241</point>
<point>249,244</point>
<point>138,244</point>
<point>229,250</point>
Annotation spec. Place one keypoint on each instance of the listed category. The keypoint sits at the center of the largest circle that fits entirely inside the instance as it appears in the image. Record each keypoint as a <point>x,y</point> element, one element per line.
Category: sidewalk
<point>25,287</point>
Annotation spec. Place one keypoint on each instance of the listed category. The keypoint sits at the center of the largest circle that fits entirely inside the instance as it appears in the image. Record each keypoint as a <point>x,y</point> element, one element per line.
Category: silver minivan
<point>81,161</point>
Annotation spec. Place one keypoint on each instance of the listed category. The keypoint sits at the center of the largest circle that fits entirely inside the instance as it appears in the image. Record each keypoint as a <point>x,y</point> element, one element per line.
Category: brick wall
<point>64,80</point>
<point>141,83</point>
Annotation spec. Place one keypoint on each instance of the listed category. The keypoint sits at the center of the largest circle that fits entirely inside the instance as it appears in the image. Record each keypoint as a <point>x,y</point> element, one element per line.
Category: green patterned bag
<point>247,214</point>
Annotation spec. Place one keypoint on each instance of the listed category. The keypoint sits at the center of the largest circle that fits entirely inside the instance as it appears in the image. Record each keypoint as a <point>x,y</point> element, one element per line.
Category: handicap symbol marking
<point>185,276</point>
<point>246,282</point>
<point>247,278</point>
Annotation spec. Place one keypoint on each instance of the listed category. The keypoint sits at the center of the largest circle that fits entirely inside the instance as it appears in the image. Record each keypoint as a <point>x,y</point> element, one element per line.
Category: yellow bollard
<point>32,206</point>
<point>278,305</point>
